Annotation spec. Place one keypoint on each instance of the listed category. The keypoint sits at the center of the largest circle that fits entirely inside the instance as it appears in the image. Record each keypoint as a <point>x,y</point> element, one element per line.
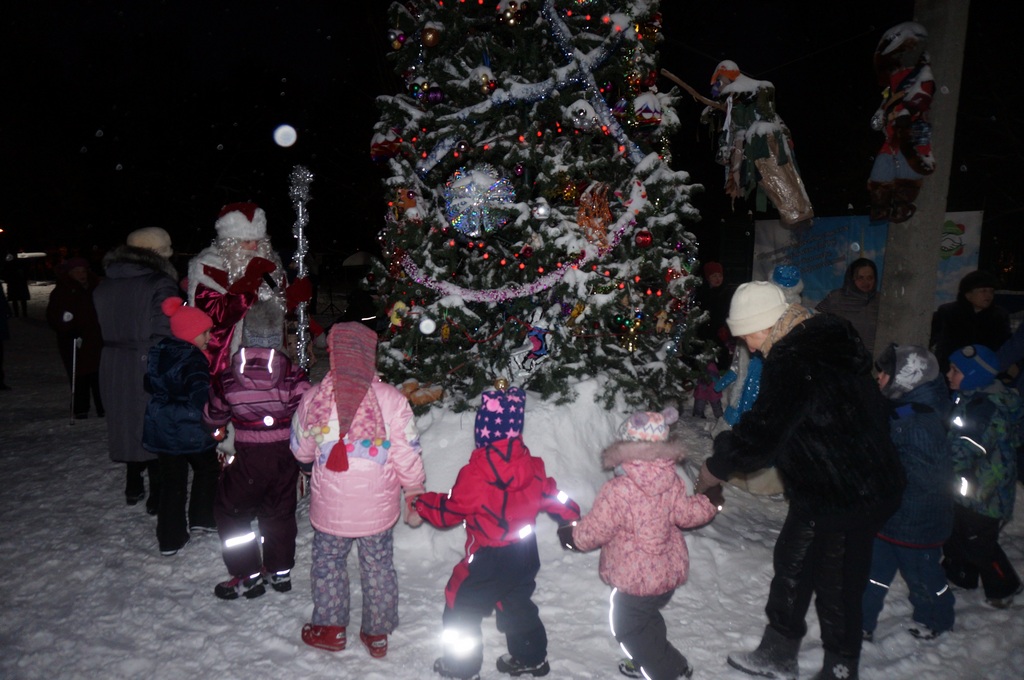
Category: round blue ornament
<point>478,200</point>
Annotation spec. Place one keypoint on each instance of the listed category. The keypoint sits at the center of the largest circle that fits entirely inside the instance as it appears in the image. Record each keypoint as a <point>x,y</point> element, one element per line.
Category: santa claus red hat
<point>243,221</point>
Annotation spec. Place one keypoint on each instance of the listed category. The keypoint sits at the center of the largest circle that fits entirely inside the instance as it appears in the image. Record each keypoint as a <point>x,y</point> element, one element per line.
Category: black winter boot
<point>837,667</point>
<point>775,657</point>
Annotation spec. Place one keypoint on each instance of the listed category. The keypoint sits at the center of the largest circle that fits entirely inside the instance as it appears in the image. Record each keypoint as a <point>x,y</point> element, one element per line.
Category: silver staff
<point>300,181</point>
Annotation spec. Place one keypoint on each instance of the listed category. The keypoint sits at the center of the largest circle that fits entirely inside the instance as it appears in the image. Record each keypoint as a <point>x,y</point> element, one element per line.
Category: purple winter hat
<point>500,415</point>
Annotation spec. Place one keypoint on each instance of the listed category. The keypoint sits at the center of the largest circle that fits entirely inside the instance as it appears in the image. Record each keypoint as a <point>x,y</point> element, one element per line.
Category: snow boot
<point>514,667</point>
<point>330,638</point>
<point>377,645</point>
<point>630,669</point>
<point>281,581</point>
<point>775,657</point>
<point>246,586</point>
<point>837,667</point>
<point>445,672</point>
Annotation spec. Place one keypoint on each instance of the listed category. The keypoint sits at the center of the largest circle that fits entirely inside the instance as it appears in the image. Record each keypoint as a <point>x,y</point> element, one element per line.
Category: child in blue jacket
<point>178,378</point>
<point>911,540</point>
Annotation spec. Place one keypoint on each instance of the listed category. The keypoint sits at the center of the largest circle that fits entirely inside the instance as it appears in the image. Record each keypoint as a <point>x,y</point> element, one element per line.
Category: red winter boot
<point>376,644</point>
<point>331,638</point>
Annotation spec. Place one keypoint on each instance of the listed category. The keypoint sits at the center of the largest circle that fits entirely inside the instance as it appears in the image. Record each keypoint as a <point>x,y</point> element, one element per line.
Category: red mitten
<point>299,290</point>
<point>258,266</point>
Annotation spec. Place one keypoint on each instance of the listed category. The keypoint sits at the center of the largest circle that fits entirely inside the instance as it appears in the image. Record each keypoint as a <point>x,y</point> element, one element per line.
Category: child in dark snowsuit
<point>258,394</point>
<point>635,521</point>
<point>498,496</point>
<point>911,540</point>
<point>178,378</point>
<point>987,428</point>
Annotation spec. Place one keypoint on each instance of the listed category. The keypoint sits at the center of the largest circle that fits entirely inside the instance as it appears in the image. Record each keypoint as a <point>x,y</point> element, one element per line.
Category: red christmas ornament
<point>644,239</point>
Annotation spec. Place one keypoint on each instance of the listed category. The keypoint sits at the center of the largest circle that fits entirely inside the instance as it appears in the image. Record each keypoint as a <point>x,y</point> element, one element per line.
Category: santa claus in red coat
<point>240,282</point>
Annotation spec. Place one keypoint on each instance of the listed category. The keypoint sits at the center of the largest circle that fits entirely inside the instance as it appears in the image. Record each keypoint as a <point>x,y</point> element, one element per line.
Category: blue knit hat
<point>978,363</point>
<point>787,277</point>
<point>500,415</point>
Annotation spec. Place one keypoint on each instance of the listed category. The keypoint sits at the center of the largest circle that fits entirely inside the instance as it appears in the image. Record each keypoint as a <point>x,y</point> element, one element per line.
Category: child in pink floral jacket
<point>634,521</point>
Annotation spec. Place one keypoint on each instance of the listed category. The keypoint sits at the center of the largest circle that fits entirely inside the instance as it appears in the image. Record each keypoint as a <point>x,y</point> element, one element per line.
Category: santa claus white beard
<point>236,259</point>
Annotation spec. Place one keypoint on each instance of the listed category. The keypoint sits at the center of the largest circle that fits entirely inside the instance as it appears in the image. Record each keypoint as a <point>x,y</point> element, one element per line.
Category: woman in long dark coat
<point>139,277</point>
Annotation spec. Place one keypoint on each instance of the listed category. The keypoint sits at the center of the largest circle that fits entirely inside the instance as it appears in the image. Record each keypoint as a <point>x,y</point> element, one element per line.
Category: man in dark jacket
<point>72,316</point>
<point>821,421</point>
<point>139,277</point>
<point>973,319</point>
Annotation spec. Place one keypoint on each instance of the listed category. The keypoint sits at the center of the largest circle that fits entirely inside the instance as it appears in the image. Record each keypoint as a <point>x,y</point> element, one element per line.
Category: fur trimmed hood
<point>143,257</point>
<point>624,452</point>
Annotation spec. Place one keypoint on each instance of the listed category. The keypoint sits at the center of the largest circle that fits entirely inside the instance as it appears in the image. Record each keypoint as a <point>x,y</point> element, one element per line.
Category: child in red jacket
<point>498,495</point>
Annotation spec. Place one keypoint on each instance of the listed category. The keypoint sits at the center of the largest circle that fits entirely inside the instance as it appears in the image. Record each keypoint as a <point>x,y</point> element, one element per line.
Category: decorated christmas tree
<point>536,232</point>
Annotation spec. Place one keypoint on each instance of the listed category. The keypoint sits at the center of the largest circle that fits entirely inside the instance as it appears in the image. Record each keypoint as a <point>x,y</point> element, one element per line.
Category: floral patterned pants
<point>377,578</point>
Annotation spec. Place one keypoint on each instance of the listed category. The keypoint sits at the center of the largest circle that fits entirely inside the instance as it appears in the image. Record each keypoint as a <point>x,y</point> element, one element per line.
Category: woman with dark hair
<point>857,301</point>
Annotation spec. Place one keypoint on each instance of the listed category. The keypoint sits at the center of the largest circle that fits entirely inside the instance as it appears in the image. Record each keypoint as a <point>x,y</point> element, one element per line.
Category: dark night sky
<point>125,114</point>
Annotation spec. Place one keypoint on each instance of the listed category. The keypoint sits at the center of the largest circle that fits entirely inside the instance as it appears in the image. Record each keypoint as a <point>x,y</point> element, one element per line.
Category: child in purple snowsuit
<point>258,394</point>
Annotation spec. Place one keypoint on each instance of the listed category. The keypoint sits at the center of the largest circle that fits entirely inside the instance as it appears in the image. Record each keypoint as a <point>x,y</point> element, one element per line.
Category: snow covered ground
<point>84,592</point>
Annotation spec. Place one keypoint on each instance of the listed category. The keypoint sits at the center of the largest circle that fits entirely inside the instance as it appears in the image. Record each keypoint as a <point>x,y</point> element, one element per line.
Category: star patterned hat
<point>500,415</point>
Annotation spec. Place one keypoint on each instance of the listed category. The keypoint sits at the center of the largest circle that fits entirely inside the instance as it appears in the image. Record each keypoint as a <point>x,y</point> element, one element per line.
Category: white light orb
<point>427,326</point>
<point>285,135</point>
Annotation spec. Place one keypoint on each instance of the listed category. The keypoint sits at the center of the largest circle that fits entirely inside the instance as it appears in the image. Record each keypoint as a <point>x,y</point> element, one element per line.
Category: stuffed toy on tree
<point>536,232</point>
<point>903,68</point>
<point>755,146</point>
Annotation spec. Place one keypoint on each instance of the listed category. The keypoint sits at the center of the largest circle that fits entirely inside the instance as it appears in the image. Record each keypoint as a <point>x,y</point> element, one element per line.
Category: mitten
<point>250,281</point>
<point>298,291</point>
<point>715,495</point>
<point>412,518</point>
<point>565,537</point>
<point>258,266</point>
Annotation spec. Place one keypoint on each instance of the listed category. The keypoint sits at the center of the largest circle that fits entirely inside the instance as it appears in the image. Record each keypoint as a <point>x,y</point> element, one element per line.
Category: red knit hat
<point>712,268</point>
<point>187,323</point>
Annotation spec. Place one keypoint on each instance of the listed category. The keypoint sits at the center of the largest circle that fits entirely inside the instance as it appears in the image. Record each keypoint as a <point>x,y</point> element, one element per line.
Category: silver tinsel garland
<point>299,191</point>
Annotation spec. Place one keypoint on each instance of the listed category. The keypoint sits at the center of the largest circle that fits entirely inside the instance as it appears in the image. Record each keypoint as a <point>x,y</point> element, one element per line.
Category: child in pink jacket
<point>359,436</point>
<point>643,554</point>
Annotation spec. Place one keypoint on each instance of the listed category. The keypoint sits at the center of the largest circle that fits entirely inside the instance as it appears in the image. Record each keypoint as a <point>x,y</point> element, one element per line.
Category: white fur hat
<point>243,221</point>
<point>151,238</point>
<point>755,306</point>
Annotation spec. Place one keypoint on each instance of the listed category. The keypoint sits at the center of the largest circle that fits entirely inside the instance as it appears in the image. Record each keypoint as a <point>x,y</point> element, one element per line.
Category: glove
<point>250,281</point>
<point>67,317</point>
<point>299,291</point>
<point>412,518</point>
<point>565,537</point>
<point>219,433</point>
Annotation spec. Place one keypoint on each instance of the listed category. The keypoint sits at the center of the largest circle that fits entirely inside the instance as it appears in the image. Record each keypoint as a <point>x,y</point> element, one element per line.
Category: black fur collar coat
<point>821,420</point>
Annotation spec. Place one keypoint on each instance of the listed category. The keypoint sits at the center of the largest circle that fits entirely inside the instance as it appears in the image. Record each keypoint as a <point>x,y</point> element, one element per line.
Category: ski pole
<point>74,369</point>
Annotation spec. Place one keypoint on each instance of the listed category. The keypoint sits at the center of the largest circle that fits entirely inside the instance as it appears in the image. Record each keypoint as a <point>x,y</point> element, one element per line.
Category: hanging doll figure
<point>902,68</point>
<point>755,145</point>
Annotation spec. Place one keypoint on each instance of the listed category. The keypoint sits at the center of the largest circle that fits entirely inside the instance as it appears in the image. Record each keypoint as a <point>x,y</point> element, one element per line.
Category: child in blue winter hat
<point>986,429</point>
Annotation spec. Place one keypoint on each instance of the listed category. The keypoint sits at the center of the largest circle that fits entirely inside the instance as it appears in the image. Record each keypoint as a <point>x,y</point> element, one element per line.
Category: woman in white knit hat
<point>821,421</point>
